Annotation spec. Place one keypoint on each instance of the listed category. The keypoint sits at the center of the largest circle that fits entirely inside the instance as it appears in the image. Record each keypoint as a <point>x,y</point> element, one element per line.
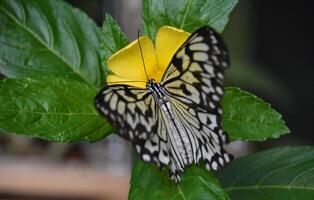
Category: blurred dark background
<point>285,46</point>
<point>271,46</point>
<point>275,40</point>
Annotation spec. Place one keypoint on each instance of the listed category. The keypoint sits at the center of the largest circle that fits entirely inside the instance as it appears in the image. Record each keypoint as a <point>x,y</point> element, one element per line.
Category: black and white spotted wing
<point>185,127</point>
<point>196,72</point>
<point>130,109</point>
<point>194,83</point>
<point>135,114</point>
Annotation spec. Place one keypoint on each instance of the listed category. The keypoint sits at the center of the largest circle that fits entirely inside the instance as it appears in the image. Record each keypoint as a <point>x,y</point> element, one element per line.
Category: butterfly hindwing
<point>203,132</point>
<point>135,113</point>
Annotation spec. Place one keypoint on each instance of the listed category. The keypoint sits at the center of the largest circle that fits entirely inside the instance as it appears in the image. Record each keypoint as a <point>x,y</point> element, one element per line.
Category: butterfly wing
<point>194,83</point>
<point>133,111</point>
<point>195,74</point>
<point>128,108</point>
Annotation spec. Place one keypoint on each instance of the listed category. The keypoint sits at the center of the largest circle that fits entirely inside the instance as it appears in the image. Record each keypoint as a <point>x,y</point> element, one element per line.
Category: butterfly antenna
<point>117,82</point>
<point>139,44</point>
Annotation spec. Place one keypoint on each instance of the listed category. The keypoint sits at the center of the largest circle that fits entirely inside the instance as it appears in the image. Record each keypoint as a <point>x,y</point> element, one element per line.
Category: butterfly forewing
<point>197,70</point>
<point>130,109</point>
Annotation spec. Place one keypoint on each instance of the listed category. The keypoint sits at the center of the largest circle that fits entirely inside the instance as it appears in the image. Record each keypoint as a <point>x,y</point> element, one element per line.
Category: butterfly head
<point>151,84</point>
<point>155,88</point>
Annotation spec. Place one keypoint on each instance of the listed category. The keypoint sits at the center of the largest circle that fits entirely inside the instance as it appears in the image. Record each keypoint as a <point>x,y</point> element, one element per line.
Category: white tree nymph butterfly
<point>176,121</point>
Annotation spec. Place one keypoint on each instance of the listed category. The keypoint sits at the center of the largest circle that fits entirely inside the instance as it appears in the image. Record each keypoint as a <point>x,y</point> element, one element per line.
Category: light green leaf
<point>48,38</point>
<point>247,117</point>
<point>277,174</point>
<point>185,14</point>
<point>52,109</point>
<point>113,39</point>
<point>148,182</point>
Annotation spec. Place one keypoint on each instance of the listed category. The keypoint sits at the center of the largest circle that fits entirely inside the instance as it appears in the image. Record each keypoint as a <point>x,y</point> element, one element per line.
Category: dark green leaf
<point>277,174</point>
<point>148,182</point>
<point>113,39</point>
<point>51,109</point>
<point>48,37</point>
<point>185,14</point>
<point>257,78</point>
<point>247,117</point>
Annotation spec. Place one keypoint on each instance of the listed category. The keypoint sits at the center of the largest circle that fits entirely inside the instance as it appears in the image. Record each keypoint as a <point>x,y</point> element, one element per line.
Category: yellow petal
<point>114,80</point>
<point>168,41</point>
<point>128,63</point>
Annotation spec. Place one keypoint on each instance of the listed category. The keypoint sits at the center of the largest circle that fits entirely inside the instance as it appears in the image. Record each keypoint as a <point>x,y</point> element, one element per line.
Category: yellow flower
<point>127,64</point>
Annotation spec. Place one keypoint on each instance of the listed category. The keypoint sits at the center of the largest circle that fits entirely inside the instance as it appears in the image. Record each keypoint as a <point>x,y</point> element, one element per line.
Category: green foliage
<point>52,55</point>
<point>277,174</point>
<point>247,117</point>
<point>52,109</point>
<point>148,182</point>
<point>52,39</point>
<point>113,39</point>
<point>185,14</point>
<point>48,38</point>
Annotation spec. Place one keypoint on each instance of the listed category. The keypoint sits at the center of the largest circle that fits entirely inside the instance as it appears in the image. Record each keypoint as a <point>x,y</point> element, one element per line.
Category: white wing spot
<point>207,167</point>
<point>214,165</point>
<point>216,49</point>
<point>195,67</point>
<point>113,102</point>
<point>209,69</point>
<point>219,90</point>
<point>138,148</point>
<point>221,161</point>
<point>215,98</point>
<point>220,75</point>
<point>131,107</point>
<point>214,40</point>
<point>226,156</point>
<point>121,107</point>
<point>131,135</point>
<point>224,64</point>
<point>103,110</point>
<point>215,59</point>
<point>197,39</point>
<point>199,47</point>
<point>146,157</point>
<point>107,97</point>
<point>200,56</point>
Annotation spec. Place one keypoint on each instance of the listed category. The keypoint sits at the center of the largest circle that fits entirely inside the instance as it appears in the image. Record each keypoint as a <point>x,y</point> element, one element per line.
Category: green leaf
<point>113,39</point>
<point>277,174</point>
<point>247,117</point>
<point>148,182</point>
<point>52,109</point>
<point>48,37</point>
<point>185,14</point>
<point>257,78</point>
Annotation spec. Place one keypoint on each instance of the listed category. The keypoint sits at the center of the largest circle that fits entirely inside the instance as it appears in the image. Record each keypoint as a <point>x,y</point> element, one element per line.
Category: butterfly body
<point>179,144</point>
<point>176,122</point>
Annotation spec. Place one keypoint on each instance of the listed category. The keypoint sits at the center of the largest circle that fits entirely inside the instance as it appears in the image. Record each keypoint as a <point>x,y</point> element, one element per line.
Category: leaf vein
<point>44,44</point>
<point>185,13</point>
